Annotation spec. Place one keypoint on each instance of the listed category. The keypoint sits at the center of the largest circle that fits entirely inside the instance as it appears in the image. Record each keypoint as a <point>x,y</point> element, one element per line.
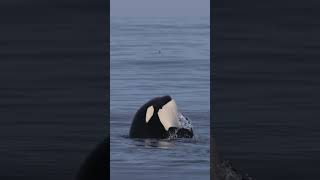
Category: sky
<point>155,8</point>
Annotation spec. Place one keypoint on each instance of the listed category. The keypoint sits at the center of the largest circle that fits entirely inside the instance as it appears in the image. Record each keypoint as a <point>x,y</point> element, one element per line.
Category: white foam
<point>184,122</point>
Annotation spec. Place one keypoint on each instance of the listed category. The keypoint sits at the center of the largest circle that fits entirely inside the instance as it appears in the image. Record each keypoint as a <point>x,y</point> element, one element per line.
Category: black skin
<point>154,128</point>
<point>181,133</point>
<point>95,167</point>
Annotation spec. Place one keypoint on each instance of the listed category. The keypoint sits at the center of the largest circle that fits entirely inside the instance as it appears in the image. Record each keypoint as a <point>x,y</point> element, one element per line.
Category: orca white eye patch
<point>149,113</point>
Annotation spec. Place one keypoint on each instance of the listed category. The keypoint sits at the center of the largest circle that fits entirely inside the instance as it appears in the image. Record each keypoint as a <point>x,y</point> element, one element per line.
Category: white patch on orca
<point>149,113</point>
<point>168,115</point>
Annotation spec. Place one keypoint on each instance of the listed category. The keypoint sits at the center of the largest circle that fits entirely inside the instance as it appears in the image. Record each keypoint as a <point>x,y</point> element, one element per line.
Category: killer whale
<point>160,118</point>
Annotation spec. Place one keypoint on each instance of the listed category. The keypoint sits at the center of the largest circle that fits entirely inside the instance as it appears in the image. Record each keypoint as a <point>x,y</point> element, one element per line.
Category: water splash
<point>225,171</point>
<point>184,121</point>
<point>173,134</point>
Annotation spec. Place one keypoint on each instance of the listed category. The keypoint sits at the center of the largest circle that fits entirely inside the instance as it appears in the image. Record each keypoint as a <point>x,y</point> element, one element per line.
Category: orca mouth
<point>174,132</point>
<point>184,130</point>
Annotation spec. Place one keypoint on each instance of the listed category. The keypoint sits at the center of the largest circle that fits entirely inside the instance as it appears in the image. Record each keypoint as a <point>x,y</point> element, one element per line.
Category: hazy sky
<point>151,8</point>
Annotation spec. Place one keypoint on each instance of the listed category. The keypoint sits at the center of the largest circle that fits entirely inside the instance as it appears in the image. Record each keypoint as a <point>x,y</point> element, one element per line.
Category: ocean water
<point>266,96</point>
<point>152,57</point>
<point>53,88</point>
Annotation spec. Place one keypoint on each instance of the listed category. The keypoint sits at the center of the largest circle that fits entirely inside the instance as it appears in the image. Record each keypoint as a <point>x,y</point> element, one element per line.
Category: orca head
<point>160,118</point>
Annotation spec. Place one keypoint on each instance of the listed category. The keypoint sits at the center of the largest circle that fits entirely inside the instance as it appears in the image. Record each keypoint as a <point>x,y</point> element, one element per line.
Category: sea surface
<point>266,96</point>
<point>152,57</point>
<point>53,87</point>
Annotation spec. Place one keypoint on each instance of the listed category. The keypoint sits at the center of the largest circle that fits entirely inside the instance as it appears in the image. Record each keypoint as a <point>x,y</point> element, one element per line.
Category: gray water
<point>53,88</point>
<point>153,57</point>
<point>266,110</point>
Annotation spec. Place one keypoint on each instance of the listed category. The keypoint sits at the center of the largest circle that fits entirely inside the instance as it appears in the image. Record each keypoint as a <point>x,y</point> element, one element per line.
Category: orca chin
<point>160,118</point>
<point>180,133</point>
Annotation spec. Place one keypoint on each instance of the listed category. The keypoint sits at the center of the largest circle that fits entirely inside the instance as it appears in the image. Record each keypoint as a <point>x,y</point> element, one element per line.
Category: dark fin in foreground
<point>95,167</point>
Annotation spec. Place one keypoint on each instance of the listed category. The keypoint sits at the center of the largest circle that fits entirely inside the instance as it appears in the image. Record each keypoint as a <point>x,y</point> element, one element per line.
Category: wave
<point>225,171</point>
